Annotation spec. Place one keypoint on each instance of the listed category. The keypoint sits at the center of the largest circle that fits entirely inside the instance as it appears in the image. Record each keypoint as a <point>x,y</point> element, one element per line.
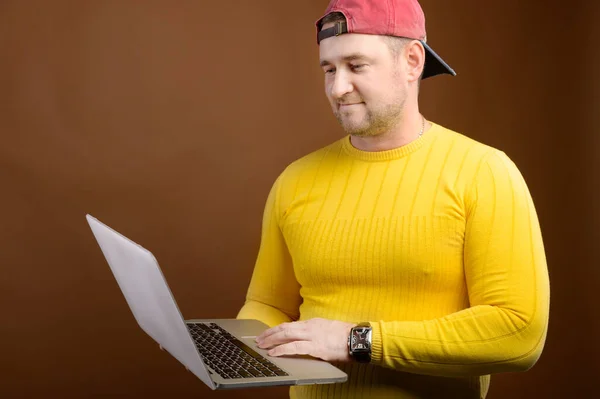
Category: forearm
<point>477,341</point>
<point>267,314</point>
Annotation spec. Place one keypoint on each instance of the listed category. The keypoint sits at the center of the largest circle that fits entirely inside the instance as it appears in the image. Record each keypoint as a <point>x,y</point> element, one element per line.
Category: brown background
<point>169,120</point>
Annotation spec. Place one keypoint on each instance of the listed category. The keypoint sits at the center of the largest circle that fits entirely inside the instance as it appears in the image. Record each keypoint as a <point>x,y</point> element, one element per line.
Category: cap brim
<point>434,64</point>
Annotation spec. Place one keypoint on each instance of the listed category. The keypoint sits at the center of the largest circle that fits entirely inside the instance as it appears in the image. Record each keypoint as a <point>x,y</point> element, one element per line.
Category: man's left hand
<point>320,338</point>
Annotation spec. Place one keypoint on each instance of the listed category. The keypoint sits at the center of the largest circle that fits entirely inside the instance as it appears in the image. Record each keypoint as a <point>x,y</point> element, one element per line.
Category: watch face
<point>360,339</point>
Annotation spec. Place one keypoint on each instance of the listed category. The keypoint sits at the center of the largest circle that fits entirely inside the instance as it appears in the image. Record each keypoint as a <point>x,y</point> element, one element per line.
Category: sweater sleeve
<point>504,329</point>
<point>273,296</point>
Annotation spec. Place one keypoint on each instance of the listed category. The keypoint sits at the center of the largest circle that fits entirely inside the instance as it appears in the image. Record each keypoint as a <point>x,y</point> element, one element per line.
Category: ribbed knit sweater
<point>436,244</point>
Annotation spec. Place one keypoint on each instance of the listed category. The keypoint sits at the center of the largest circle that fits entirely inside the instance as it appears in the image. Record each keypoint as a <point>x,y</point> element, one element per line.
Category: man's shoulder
<point>302,172</point>
<point>474,151</point>
<point>461,140</point>
<point>314,160</point>
<point>477,156</point>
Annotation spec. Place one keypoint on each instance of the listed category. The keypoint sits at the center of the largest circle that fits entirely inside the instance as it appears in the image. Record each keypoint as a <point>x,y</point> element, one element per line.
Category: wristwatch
<point>359,342</point>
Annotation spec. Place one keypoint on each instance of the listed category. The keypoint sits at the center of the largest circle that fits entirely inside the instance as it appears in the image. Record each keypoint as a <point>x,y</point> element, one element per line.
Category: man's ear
<point>415,60</point>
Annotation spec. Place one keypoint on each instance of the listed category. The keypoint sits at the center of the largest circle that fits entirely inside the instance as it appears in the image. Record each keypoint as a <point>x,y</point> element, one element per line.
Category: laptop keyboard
<point>228,356</point>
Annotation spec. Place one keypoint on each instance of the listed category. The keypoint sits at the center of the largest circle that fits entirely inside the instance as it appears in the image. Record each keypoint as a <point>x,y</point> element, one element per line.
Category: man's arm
<point>505,328</point>
<point>274,294</point>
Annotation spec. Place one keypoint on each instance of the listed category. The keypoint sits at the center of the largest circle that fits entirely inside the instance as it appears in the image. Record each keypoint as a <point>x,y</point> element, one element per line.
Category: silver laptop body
<point>205,347</point>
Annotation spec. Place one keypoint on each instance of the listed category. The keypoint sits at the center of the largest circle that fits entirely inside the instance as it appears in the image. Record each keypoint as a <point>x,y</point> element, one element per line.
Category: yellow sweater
<point>436,244</point>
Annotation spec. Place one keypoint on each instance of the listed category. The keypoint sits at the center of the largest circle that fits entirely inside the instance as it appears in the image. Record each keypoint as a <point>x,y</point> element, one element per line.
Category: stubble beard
<point>376,121</point>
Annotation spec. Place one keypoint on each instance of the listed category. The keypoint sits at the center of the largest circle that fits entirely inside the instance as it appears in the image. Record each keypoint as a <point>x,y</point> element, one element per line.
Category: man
<point>419,244</point>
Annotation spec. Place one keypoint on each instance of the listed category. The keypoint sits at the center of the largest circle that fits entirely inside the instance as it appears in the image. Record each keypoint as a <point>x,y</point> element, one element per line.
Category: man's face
<point>363,82</point>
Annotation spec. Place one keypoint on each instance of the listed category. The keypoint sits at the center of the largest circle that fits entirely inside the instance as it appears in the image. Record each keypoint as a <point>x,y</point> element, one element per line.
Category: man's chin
<point>357,130</point>
<point>362,133</point>
<point>353,128</point>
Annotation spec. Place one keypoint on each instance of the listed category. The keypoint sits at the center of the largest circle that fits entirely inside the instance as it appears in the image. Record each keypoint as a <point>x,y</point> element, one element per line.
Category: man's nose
<point>341,85</point>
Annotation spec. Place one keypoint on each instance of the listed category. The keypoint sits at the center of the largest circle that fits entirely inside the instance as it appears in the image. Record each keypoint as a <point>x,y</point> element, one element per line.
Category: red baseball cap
<point>401,18</point>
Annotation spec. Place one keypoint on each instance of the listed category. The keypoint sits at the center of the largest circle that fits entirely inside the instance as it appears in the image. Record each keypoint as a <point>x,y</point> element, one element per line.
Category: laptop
<point>221,352</point>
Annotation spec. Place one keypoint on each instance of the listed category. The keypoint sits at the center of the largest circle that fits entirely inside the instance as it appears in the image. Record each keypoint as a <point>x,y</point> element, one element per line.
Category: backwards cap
<point>400,18</point>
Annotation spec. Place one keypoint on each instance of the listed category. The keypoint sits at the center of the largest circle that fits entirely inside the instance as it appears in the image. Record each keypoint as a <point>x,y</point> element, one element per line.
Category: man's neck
<point>404,133</point>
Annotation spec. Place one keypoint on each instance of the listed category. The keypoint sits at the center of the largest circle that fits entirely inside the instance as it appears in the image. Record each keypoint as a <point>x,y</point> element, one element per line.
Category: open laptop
<point>221,352</point>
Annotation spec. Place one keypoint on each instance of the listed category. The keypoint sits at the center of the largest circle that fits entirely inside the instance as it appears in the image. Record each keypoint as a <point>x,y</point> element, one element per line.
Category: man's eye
<point>329,71</point>
<point>357,67</point>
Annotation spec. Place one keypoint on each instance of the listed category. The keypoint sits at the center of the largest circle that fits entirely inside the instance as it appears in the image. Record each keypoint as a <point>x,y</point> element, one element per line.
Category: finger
<point>270,332</point>
<point>278,329</point>
<point>284,336</point>
<point>293,348</point>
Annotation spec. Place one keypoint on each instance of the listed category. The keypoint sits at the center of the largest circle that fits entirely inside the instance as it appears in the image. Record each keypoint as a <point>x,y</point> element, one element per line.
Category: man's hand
<point>320,338</point>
